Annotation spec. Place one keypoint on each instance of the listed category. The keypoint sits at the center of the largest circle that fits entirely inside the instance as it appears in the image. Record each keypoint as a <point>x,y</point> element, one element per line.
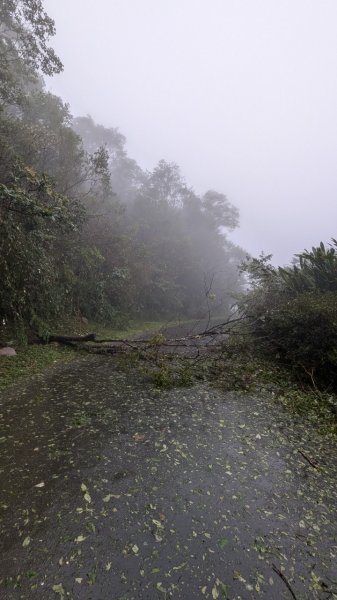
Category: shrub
<point>293,312</point>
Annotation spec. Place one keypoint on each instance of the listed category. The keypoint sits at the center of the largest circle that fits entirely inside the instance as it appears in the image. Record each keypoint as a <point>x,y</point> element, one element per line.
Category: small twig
<point>285,580</point>
<point>311,376</point>
<point>78,435</point>
<point>313,464</point>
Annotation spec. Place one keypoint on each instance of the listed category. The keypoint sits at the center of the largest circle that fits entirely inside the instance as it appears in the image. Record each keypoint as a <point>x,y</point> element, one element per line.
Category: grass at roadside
<point>31,359</point>
<point>78,327</point>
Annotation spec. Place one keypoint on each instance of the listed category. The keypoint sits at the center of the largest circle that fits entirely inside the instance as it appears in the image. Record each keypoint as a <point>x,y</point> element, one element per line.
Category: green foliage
<point>317,270</point>
<point>34,218</point>
<point>293,312</point>
<point>83,230</point>
<point>24,51</point>
<point>168,375</point>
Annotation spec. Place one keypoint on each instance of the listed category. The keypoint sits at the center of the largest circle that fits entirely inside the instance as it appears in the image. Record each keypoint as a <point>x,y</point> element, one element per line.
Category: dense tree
<point>33,218</point>
<point>221,213</point>
<point>126,175</point>
<point>186,248</point>
<point>83,229</point>
<point>25,29</point>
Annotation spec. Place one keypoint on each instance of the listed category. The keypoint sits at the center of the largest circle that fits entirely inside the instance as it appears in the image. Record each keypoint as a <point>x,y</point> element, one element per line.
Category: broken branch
<point>285,580</point>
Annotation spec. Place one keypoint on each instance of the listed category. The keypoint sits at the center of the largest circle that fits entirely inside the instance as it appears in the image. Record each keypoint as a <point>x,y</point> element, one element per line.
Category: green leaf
<point>59,589</point>
<point>215,592</point>
<point>87,497</point>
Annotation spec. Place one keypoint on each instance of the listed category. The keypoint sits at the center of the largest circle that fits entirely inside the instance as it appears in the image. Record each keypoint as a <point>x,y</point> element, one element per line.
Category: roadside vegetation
<point>242,367</point>
<point>29,361</point>
<point>83,229</point>
<point>292,313</point>
<point>34,358</point>
<point>281,341</point>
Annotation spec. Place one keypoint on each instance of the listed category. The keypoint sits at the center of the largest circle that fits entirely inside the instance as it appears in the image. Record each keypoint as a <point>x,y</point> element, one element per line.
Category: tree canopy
<point>83,229</point>
<point>25,29</point>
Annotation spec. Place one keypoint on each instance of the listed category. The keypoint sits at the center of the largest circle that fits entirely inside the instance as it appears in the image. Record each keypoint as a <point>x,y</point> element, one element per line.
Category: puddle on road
<point>112,489</point>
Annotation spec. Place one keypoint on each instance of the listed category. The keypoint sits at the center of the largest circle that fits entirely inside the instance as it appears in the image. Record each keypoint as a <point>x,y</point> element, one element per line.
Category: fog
<point>242,95</point>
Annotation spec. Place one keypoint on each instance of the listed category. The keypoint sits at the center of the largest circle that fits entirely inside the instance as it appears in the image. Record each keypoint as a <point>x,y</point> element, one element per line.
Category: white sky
<point>242,94</point>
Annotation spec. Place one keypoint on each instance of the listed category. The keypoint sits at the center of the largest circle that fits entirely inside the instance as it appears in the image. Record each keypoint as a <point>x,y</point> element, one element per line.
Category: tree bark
<point>65,339</point>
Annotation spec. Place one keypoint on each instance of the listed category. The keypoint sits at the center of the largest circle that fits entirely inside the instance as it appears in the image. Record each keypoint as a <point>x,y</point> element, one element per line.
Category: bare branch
<point>285,580</point>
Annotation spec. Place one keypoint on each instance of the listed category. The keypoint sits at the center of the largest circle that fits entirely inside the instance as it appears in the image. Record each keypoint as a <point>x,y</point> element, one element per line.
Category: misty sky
<point>242,94</point>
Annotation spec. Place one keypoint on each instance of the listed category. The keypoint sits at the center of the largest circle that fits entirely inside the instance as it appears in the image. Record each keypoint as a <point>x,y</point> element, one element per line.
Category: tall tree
<point>25,30</point>
<point>126,175</point>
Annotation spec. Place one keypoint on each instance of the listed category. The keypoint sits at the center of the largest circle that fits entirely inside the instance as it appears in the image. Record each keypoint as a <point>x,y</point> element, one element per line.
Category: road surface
<point>112,489</point>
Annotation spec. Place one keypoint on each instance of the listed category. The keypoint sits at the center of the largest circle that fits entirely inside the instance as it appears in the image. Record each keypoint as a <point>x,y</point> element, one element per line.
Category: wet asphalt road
<point>112,489</point>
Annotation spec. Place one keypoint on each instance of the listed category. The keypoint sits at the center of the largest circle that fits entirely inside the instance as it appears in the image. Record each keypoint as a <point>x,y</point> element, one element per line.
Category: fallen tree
<point>205,340</point>
<point>67,339</point>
